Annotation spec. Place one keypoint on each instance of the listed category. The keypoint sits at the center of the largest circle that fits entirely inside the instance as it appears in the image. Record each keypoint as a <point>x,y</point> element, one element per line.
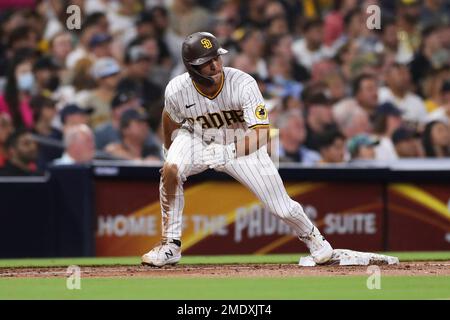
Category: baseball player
<point>202,107</point>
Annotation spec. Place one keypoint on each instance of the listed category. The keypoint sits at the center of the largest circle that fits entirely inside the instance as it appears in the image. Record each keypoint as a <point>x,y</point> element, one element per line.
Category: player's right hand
<point>217,155</point>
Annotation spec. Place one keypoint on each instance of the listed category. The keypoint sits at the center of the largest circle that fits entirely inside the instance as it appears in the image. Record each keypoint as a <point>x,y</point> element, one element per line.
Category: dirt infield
<point>419,268</point>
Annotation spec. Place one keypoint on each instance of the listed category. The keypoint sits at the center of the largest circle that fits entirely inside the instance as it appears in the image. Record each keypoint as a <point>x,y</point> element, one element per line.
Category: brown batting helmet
<point>198,48</point>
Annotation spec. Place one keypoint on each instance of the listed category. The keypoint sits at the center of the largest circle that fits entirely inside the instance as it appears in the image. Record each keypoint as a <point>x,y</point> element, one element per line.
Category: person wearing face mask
<point>45,71</point>
<point>19,86</point>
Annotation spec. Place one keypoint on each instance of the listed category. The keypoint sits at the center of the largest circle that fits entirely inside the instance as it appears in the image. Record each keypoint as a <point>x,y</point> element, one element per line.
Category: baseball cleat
<point>321,250</point>
<point>167,253</point>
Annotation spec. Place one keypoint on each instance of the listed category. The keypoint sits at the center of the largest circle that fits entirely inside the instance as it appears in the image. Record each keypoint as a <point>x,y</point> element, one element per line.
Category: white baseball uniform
<point>237,105</point>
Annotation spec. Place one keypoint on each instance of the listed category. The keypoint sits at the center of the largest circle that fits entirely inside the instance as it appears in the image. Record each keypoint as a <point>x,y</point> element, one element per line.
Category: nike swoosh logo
<point>188,106</point>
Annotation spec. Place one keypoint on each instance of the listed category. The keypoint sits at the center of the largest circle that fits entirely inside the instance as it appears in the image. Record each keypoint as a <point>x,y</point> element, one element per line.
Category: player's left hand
<point>216,155</point>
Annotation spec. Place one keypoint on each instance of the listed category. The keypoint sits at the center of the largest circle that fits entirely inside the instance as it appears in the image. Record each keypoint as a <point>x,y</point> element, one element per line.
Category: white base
<point>344,257</point>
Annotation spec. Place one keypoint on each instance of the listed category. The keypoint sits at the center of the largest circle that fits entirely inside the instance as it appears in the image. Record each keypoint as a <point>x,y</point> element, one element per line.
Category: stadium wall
<point>111,209</point>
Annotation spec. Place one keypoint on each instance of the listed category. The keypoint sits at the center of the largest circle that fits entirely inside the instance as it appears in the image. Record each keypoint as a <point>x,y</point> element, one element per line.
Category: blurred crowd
<point>337,91</point>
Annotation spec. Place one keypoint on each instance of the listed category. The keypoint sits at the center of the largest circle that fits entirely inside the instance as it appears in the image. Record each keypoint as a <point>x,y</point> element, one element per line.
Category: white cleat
<point>167,253</point>
<point>320,249</point>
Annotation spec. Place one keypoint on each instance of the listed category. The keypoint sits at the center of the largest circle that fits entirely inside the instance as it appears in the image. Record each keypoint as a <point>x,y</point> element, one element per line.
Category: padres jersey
<point>238,104</point>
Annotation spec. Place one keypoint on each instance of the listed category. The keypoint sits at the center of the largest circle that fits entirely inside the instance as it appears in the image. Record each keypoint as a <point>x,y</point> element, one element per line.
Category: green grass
<point>274,258</point>
<point>337,287</point>
<point>353,287</point>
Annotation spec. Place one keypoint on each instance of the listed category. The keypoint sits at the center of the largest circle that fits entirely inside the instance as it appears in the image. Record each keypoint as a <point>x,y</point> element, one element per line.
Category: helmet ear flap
<point>197,76</point>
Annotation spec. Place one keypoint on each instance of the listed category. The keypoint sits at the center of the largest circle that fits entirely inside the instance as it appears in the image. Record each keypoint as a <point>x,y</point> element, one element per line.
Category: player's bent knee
<point>293,210</point>
<point>170,174</point>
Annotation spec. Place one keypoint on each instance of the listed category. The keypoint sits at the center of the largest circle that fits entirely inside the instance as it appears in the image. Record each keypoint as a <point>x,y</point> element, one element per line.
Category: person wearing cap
<point>398,91</point>
<point>106,72</point>
<point>134,131</point>
<point>407,143</point>
<point>319,116</point>
<point>109,132</point>
<point>386,120</point>
<point>362,147</point>
<point>72,114</point>
<point>100,45</point>
<point>138,67</point>
<point>92,24</point>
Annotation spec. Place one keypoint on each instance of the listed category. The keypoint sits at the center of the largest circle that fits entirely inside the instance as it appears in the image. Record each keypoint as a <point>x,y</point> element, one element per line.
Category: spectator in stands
<point>387,119</point>
<point>434,88</point>
<point>334,21</point>
<point>134,131</point>
<point>292,136</point>
<point>187,17</point>
<point>443,112</point>
<point>92,24</point>
<point>408,18</point>
<point>362,147</point>
<point>160,72</point>
<point>280,82</point>
<point>20,84</point>
<point>319,117</point>
<point>398,91</point>
<point>106,73</point>
<point>281,46</point>
<point>72,114</point>
<point>61,45</point>
<point>345,57</point>
<point>284,39</point>
<point>138,67</point>
<point>331,145</point>
<point>434,12</point>
<point>351,119</point>
<point>100,45</point>
<point>110,131</point>
<point>436,140</point>
<point>79,146</point>
<point>22,37</point>
<point>252,52</point>
<point>431,55</point>
<point>45,72</point>
<point>22,153</point>
<point>48,137</point>
<point>6,129</point>
<point>310,49</point>
<point>275,16</point>
<point>389,45</point>
<point>407,143</point>
<point>365,90</point>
